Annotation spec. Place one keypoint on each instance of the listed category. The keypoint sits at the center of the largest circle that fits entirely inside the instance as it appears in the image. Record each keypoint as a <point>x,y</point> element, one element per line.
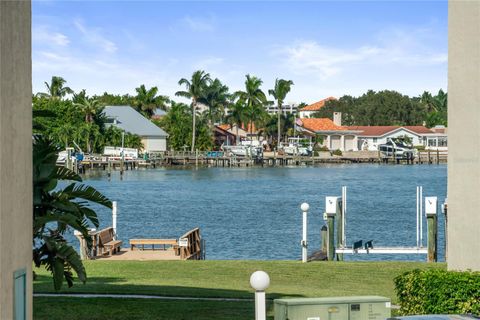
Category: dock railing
<point>190,245</point>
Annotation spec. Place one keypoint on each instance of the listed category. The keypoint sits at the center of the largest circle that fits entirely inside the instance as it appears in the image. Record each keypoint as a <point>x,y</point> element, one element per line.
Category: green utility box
<point>337,308</point>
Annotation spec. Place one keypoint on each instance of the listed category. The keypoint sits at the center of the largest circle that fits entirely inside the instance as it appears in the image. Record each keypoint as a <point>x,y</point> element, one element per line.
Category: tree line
<point>388,107</point>
<point>74,116</point>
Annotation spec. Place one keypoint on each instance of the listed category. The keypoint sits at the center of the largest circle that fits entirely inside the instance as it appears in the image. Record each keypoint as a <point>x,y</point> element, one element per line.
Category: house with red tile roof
<point>354,138</point>
<point>335,136</point>
<point>308,111</point>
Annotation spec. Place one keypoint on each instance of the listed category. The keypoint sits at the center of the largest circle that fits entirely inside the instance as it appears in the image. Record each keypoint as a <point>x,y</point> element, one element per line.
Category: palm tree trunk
<point>237,138</point>
<point>193,129</point>
<point>278,124</point>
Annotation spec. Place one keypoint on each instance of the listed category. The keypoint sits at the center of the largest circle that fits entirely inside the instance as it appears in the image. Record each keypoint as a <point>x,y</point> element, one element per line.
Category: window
<point>432,142</point>
<point>442,141</point>
<point>374,140</point>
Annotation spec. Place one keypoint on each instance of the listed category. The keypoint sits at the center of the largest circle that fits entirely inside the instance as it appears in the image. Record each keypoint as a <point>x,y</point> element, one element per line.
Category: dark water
<point>253,213</point>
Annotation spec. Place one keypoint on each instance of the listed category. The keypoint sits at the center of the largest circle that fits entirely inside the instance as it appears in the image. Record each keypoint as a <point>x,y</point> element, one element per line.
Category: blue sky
<point>326,48</point>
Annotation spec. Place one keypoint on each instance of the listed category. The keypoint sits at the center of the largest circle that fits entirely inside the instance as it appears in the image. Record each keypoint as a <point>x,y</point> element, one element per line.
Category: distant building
<point>129,120</point>
<point>354,138</point>
<point>286,108</point>
<point>308,111</point>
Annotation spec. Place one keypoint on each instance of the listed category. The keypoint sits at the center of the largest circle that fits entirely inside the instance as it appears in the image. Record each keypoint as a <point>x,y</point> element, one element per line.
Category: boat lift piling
<point>335,208</point>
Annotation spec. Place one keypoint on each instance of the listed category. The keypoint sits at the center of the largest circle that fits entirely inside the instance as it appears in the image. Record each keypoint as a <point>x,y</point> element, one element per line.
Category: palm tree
<point>237,117</point>
<point>279,92</point>
<point>57,209</point>
<point>195,89</point>
<point>216,98</point>
<point>89,108</point>
<point>148,101</point>
<point>56,89</point>
<point>254,100</point>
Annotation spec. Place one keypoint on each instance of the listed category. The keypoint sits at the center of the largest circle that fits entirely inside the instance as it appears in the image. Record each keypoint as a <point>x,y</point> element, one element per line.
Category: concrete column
<point>464,135</point>
<point>15,156</point>
<point>342,142</point>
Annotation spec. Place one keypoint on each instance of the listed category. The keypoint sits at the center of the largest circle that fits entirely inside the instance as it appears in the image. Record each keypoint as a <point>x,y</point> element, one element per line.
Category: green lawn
<point>227,279</point>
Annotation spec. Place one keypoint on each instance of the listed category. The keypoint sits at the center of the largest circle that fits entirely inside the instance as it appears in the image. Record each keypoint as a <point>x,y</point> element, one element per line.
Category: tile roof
<point>224,127</point>
<point>132,121</point>
<point>378,131</point>
<point>317,105</point>
<point>320,124</point>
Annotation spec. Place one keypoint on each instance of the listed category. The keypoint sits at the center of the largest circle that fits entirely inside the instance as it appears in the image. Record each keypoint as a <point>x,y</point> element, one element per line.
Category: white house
<point>354,138</point>
<point>308,111</point>
<point>129,120</point>
<point>370,137</point>
<point>335,136</point>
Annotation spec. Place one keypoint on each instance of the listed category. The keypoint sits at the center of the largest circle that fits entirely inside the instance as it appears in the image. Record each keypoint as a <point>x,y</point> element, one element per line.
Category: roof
<point>224,126</point>
<point>378,131</point>
<point>133,122</point>
<point>317,105</point>
<point>320,124</point>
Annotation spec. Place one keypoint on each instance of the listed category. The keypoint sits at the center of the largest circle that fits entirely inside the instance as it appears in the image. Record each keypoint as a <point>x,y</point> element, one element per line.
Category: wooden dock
<point>269,159</point>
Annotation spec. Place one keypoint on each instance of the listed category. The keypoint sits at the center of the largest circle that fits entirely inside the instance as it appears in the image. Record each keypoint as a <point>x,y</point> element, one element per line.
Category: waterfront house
<point>335,136</point>
<point>308,111</point>
<point>129,120</point>
<point>368,138</point>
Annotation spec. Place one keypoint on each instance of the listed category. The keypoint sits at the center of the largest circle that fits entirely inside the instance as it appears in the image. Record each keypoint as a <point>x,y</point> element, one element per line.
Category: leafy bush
<point>438,291</point>
<point>420,148</point>
<point>321,148</point>
<point>337,152</point>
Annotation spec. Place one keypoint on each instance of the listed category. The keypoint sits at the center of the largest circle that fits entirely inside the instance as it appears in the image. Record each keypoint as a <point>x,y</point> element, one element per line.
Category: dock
<point>269,159</point>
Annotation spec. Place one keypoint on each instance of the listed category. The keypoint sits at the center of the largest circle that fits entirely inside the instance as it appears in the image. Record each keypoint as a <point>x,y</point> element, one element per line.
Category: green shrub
<point>321,148</point>
<point>337,152</point>
<point>438,291</point>
<point>420,148</point>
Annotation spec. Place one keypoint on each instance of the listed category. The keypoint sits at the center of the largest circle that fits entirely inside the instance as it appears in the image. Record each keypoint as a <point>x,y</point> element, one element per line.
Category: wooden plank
<point>153,241</point>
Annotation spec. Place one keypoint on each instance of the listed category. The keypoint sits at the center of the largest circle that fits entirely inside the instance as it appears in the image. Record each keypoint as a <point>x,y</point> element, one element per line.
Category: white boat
<point>246,148</point>
<point>295,147</point>
<point>400,149</point>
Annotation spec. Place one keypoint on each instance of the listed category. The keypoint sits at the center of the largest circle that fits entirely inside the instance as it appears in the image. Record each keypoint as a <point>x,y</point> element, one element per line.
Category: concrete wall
<point>154,144</point>
<point>464,135</point>
<point>15,151</point>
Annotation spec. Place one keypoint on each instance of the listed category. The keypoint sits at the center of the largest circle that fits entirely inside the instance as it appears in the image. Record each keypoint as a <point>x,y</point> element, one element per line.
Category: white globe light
<point>304,206</point>
<point>259,280</point>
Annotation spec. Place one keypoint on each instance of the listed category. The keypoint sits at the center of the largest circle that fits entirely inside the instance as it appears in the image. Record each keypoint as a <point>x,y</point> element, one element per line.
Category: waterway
<point>254,213</point>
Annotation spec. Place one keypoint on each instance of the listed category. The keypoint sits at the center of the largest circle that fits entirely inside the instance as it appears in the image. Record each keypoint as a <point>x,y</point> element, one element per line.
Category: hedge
<point>438,292</point>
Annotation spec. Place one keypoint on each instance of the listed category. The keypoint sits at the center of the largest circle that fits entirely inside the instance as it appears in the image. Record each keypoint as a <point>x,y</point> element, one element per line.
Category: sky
<point>325,48</point>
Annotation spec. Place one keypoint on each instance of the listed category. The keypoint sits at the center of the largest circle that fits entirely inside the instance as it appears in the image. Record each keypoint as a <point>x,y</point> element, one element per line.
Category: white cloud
<point>199,24</point>
<point>395,48</point>
<point>42,34</point>
<point>94,36</point>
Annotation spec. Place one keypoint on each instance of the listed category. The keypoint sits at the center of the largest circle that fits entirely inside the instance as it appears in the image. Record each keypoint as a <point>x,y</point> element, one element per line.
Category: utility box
<point>336,308</point>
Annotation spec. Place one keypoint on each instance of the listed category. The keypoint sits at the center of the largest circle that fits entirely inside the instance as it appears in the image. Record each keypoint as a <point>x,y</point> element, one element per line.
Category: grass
<point>221,279</point>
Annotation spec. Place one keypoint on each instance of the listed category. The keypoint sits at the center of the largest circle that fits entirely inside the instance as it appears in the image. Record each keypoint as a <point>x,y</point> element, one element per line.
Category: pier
<point>269,159</point>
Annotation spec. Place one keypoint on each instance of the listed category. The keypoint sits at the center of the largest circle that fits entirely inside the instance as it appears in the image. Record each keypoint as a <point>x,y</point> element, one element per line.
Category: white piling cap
<point>259,280</point>
<point>304,206</point>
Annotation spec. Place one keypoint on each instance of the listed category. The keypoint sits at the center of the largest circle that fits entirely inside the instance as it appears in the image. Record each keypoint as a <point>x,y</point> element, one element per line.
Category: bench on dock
<point>143,242</point>
<point>107,242</point>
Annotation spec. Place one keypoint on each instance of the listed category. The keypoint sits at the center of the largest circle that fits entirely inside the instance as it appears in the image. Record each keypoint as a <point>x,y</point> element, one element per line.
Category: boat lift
<point>336,209</point>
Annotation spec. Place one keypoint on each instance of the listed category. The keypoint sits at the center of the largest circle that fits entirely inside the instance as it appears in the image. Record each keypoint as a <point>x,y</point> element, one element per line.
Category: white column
<point>260,307</point>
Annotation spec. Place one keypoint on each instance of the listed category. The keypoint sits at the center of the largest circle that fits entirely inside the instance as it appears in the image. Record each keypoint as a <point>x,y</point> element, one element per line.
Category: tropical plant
<point>216,97</point>
<point>89,108</point>
<point>195,89</point>
<point>56,88</point>
<point>279,92</point>
<point>56,210</point>
<point>148,102</point>
<point>237,117</point>
<point>254,100</point>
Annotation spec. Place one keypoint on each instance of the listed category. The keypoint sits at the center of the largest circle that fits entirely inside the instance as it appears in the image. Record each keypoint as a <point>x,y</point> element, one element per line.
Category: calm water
<point>253,213</point>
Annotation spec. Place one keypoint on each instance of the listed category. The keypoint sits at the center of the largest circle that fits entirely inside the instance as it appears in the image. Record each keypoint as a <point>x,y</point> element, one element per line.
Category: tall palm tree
<point>216,97</point>
<point>195,89</point>
<point>254,99</point>
<point>279,92</point>
<point>148,101</point>
<point>56,89</point>
<point>236,117</point>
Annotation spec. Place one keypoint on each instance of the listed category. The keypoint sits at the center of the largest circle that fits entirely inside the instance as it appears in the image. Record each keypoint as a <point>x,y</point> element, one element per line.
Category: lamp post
<point>304,208</point>
<point>259,280</point>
